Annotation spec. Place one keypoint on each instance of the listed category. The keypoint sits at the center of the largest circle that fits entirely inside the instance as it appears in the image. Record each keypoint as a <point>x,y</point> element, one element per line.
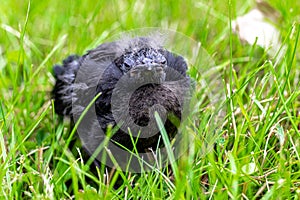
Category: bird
<point>134,78</point>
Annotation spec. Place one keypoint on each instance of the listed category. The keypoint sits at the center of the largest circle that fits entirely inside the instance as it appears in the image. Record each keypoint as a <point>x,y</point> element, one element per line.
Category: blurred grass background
<point>35,35</point>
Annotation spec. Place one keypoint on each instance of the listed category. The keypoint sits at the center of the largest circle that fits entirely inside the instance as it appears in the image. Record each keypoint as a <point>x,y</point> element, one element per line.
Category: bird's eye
<point>126,66</point>
<point>163,62</point>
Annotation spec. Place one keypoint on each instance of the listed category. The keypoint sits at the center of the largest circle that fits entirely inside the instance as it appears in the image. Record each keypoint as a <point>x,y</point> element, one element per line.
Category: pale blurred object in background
<point>258,26</point>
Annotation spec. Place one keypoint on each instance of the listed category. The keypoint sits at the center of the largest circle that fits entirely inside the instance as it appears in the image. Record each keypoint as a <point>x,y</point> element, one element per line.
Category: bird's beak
<point>150,67</point>
<point>148,72</point>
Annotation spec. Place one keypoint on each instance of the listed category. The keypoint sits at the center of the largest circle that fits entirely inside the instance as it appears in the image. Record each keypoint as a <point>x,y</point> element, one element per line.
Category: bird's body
<point>135,77</point>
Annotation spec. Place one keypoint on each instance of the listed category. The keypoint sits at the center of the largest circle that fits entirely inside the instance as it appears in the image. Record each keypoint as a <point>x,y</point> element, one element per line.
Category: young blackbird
<point>135,77</point>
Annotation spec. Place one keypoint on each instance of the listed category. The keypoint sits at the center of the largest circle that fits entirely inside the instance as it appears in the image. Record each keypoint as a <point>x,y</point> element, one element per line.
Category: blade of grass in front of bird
<point>167,145</point>
<point>110,132</point>
<point>64,151</point>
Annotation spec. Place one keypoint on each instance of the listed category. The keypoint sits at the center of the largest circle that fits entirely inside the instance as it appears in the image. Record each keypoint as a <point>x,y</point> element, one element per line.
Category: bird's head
<point>146,64</point>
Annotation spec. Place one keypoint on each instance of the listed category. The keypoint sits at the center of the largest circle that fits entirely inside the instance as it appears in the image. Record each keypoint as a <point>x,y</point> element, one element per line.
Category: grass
<point>255,156</point>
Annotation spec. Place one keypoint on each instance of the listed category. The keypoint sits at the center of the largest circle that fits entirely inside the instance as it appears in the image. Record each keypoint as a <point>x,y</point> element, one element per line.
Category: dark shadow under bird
<point>136,78</point>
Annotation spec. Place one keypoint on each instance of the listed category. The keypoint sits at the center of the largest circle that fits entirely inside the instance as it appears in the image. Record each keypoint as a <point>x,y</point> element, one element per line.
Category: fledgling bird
<point>133,77</point>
